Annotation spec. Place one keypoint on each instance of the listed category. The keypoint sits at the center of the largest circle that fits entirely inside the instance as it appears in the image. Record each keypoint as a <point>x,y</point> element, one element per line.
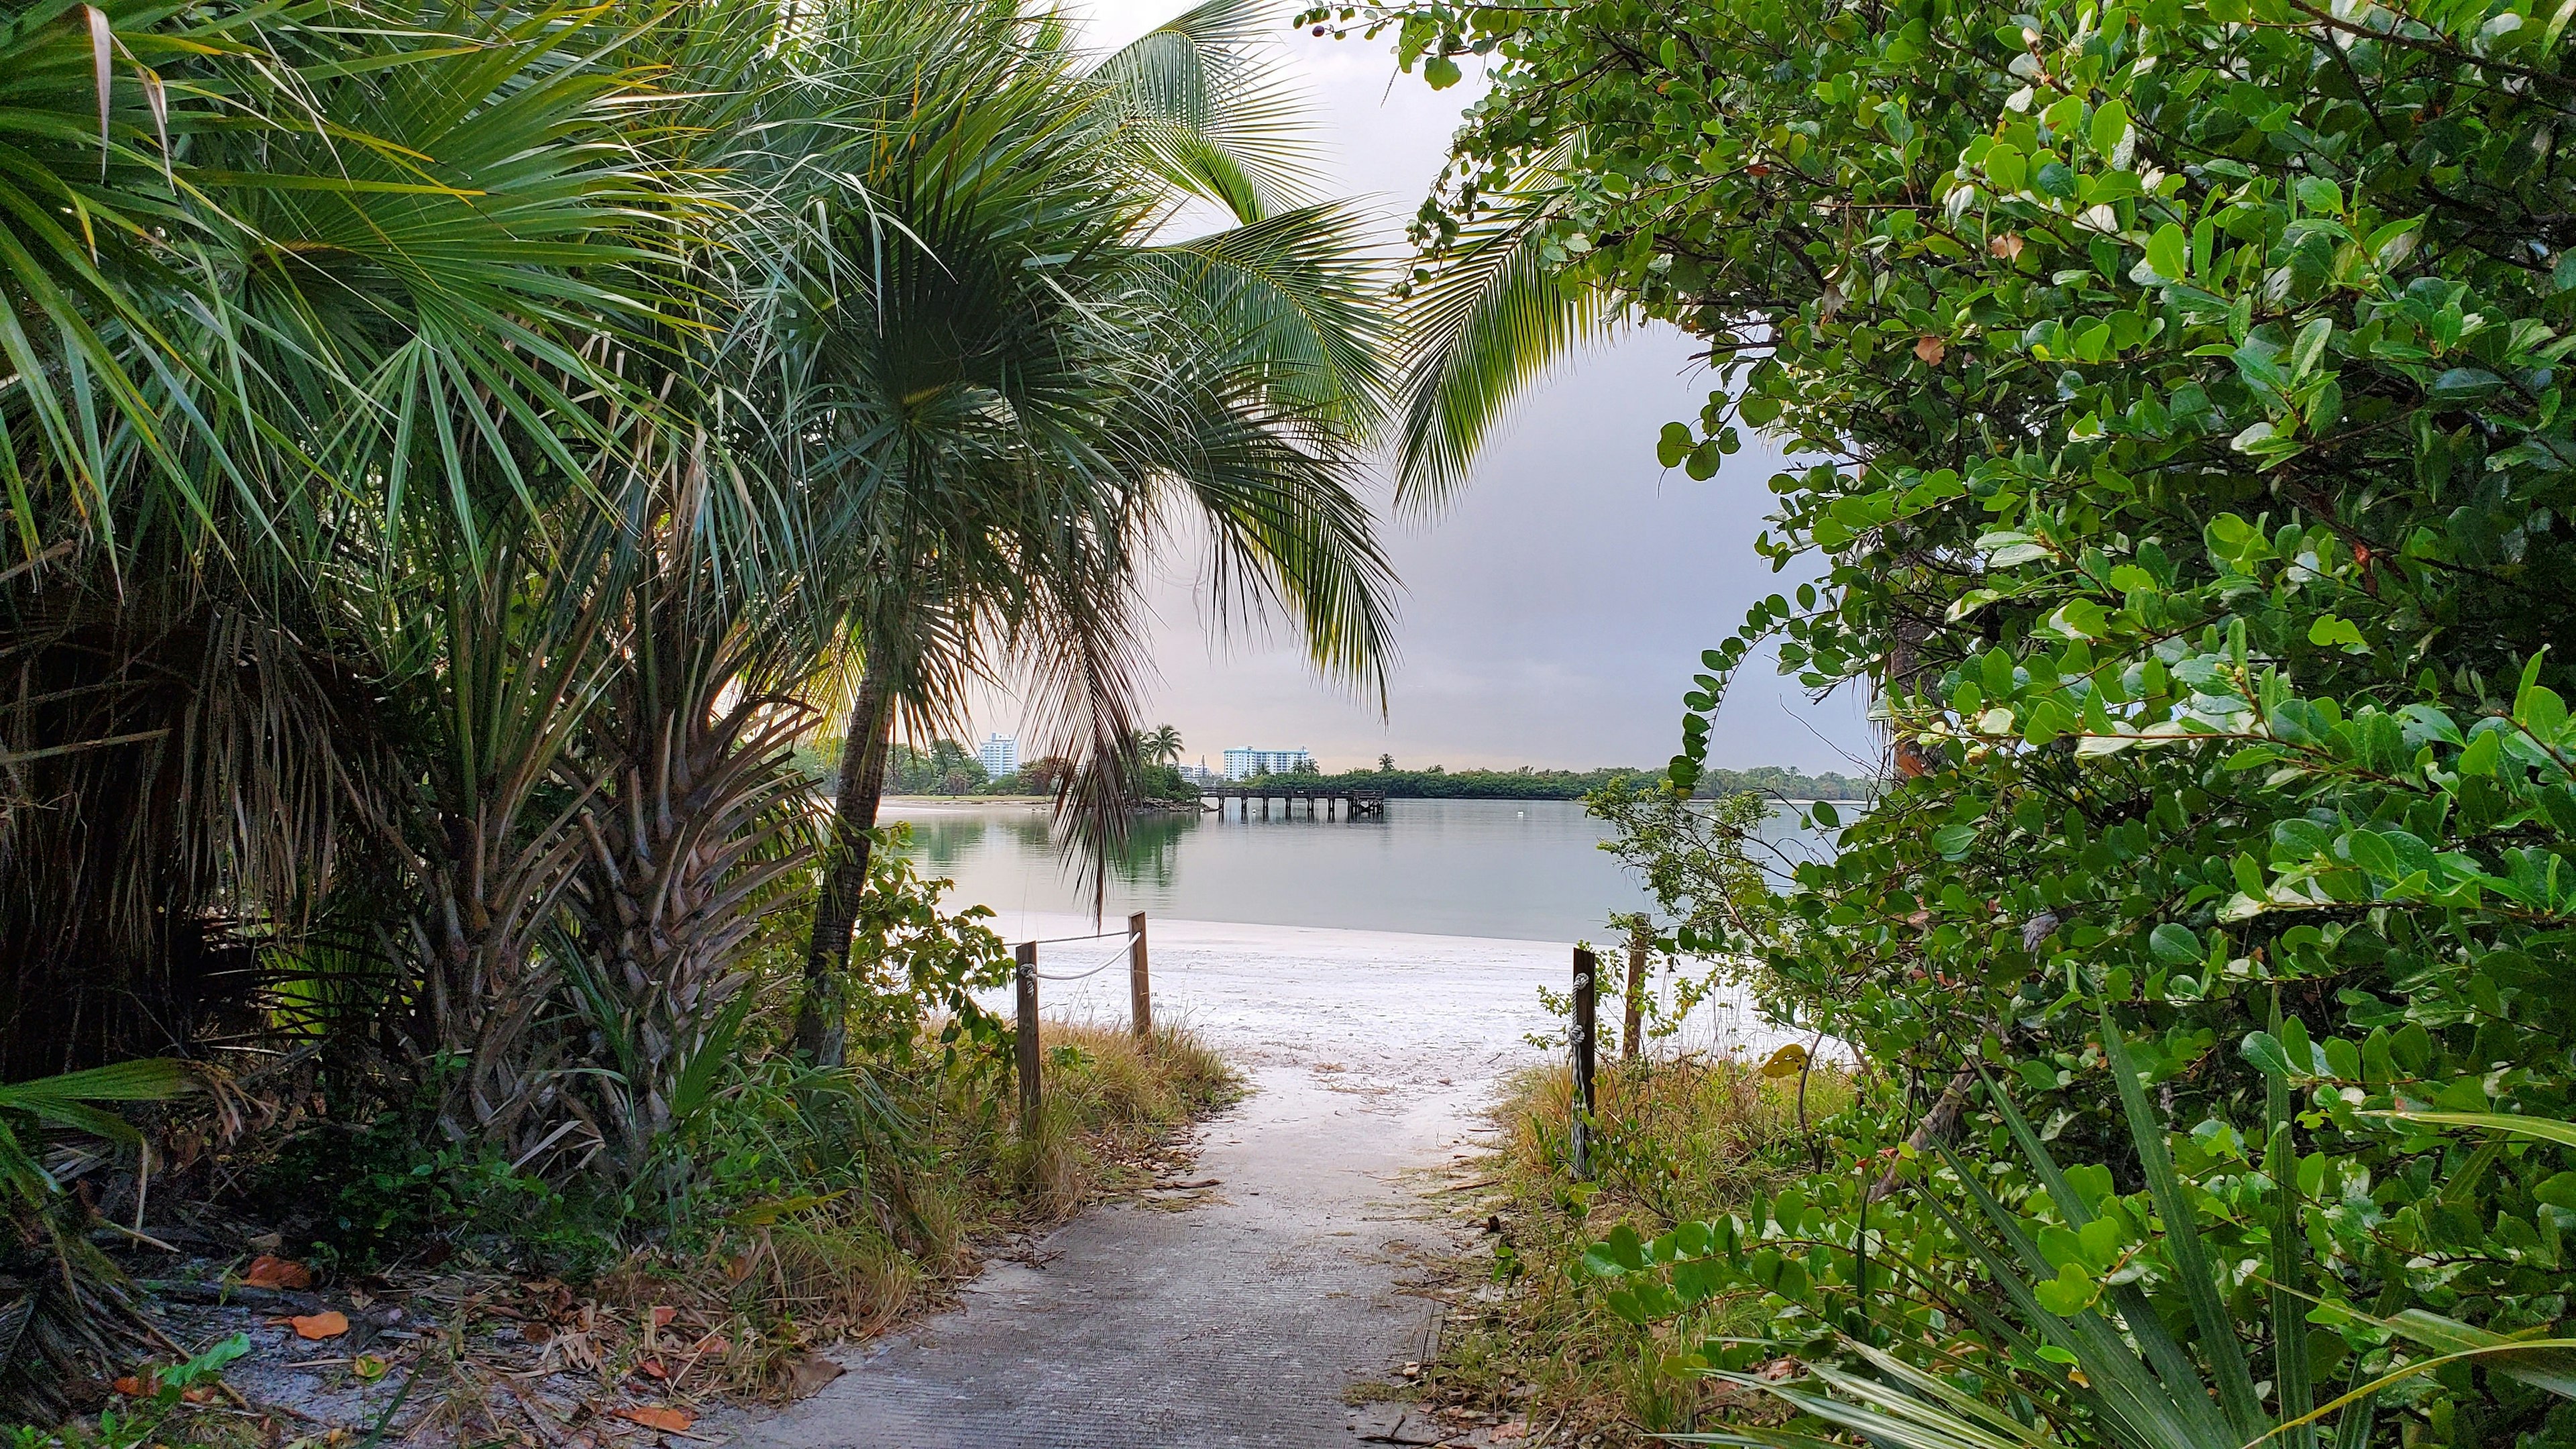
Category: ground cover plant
<point>2174,395</point>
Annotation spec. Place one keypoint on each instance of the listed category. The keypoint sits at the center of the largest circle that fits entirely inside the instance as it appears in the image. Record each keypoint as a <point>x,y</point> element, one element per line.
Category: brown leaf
<point>329,1324</point>
<point>668,1420</point>
<point>130,1386</point>
<point>809,1373</point>
<point>662,1315</point>
<point>2006,246</point>
<point>270,1271</point>
<point>1931,350</point>
<point>652,1368</point>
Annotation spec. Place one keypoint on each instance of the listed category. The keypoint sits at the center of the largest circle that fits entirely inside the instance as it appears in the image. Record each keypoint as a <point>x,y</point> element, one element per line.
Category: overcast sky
<point>1554,616</point>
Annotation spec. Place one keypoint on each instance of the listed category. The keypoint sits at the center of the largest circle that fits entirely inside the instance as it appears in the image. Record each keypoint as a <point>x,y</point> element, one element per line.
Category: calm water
<point>1524,869</point>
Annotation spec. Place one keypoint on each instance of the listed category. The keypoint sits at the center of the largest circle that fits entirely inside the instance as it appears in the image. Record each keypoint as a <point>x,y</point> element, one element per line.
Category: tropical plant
<point>1160,745</point>
<point>63,1308</point>
<point>1020,375</point>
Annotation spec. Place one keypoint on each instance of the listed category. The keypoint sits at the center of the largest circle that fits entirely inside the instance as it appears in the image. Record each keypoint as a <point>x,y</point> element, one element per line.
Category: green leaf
<point>2069,1293</point>
<point>2169,253</point>
<point>2266,1053</point>
<point>2174,944</point>
<point>2539,709</point>
<point>2463,385</point>
<point>2110,125</point>
<point>1441,72</point>
<point>2480,756</point>
<point>2547,1129</point>
<point>2006,168</point>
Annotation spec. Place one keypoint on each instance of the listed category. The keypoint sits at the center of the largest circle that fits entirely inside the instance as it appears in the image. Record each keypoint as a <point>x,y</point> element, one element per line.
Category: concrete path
<point>1239,1319</point>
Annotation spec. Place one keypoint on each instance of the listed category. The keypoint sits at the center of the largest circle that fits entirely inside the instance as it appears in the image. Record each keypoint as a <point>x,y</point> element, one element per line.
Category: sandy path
<point>1239,1318</point>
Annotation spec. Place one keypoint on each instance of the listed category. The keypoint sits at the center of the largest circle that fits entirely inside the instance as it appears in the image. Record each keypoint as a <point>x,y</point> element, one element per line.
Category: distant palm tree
<point>1161,745</point>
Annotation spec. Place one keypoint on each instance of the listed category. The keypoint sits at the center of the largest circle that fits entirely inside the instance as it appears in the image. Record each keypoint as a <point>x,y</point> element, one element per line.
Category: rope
<point>1113,960</point>
<point>1060,940</point>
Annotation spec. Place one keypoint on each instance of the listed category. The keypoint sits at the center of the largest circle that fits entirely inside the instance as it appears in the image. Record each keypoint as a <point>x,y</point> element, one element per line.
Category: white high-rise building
<point>1246,762</point>
<point>1000,755</point>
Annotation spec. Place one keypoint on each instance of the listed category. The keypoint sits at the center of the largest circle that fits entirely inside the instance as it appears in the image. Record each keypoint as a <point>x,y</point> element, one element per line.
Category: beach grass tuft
<point>1677,1140</point>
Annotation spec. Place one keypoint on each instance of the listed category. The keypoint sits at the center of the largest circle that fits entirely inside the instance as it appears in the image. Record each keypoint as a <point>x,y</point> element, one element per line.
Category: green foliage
<point>914,964</point>
<point>2187,472</point>
<point>933,771</point>
<point>148,1416</point>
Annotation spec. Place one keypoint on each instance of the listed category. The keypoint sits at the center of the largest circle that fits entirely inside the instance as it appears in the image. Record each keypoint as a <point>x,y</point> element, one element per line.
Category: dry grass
<point>847,1267</point>
<point>1679,1141</point>
<point>1111,1105</point>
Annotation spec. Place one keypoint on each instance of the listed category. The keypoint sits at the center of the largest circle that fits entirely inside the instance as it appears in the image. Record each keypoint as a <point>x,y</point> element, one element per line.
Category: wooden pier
<point>1351,803</point>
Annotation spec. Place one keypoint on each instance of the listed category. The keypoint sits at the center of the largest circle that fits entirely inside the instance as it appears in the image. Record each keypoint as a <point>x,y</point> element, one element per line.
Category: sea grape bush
<point>2178,397</point>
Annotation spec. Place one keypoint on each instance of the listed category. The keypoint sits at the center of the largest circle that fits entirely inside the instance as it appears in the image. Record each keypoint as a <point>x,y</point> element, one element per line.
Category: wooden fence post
<point>1028,1037</point>
<point>1586,1015</point>
<point>1140,989</point>
<point>1640,937</point>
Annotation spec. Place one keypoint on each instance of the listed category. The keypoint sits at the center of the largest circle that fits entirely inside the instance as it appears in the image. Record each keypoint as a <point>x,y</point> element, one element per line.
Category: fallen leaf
<point>536,1332</point>
<point>662,1315</point>
<point>713,1343</point>
<point>1931,350</point>
<point>201,1394</point>
<point>130,1386</point>
<point>668,1420</point>
<point>269,1271</point>
<point>652,1368</point>
<point>329,1324</point>
<point>809,1373</point>
<point>368,1367</point>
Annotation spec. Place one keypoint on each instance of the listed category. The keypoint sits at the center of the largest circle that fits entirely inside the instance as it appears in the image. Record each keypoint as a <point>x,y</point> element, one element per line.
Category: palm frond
<point>1200,102</point>
<point>1479,334</point>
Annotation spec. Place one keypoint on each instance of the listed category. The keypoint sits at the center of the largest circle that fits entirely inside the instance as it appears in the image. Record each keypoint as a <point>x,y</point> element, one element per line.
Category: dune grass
<point>1677,1140</point>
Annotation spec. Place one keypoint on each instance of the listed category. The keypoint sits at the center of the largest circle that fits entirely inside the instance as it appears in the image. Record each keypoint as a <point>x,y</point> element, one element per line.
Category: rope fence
<point>1131,945</point>
<point>1112,959</point>
<point>1094,936</point>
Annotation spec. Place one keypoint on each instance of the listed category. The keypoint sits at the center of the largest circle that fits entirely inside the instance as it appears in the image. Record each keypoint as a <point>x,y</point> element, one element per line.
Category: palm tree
<point>1161,745</point>
<point>358,302</point>
<point>1017,380</point>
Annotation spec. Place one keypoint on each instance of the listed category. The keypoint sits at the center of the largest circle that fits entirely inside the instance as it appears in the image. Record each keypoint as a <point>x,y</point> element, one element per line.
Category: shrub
<point>2186,470</point>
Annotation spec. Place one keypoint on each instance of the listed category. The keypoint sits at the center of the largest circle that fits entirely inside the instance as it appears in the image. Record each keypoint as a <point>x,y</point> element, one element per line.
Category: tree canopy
<point>2174,398</point>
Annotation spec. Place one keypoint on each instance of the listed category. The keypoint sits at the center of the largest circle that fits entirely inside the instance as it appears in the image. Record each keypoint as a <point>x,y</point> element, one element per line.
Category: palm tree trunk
<point>819,1024</point>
